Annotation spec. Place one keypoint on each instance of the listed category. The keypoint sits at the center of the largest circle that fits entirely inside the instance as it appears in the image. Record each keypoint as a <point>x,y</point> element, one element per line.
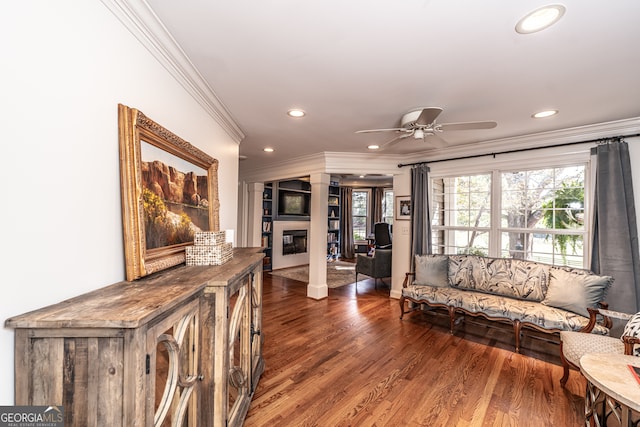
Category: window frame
<point>367,218</point>
<point>387,219</point>
<point>555,157</point>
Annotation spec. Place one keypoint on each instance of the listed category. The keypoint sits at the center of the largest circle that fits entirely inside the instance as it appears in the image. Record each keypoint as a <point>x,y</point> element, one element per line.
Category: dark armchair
<point>382,235</point>
<point>377,266</point>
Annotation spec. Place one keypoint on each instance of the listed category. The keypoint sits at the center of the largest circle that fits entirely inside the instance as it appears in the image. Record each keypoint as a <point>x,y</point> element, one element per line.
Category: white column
<point>254,224</point>
<point>317,287</point>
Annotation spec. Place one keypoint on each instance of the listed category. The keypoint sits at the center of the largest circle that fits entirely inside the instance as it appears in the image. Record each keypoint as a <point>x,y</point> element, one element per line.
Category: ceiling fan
<point>421,123</point>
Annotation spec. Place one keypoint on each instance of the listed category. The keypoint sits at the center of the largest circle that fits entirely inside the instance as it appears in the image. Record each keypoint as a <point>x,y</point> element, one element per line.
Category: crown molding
<point>292,168</point>
<point>362,163</point>
<point>329,162</point>
<point>576,134</point>
<point>138,17</point>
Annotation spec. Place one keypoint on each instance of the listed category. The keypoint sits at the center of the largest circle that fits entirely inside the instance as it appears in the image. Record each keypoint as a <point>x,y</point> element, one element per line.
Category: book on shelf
<point>265,241</point>
<point>334,224</point>
<point>266,226</point>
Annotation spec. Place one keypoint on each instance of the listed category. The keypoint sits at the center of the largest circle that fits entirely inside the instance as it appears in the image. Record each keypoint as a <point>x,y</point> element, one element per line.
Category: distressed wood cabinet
<point>233,315</point>
<point>181,347</point>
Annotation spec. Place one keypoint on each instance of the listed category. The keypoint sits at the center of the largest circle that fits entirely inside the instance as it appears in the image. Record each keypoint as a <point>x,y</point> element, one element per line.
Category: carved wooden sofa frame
<point>581,323</point>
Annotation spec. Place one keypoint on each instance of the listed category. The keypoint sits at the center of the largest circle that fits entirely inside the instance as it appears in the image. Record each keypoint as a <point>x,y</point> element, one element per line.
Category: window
<point>360,212</point>
<point>387,206</point>
<point>542,216</point>
<point>533,214</point>
<point>462,218</point>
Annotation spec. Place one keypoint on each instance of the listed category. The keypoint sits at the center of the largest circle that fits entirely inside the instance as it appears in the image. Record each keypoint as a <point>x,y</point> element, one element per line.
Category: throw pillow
<point>432,270</point>
<point>632,328</point>
<point>575,292</point>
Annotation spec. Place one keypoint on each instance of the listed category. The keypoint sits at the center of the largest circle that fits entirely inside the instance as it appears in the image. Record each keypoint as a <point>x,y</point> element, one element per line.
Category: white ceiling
<point>362,64</point>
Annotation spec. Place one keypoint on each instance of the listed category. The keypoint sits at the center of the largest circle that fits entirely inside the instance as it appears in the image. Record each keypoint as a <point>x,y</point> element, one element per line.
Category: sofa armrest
<point>615,314</point>
<point>601,312</point>
<point>405,282</point>
<point>364,264</point>
<point>629,343</point>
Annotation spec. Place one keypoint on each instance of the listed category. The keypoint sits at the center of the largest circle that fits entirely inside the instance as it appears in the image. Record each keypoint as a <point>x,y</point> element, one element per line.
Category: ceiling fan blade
<point>466,126</point>
<point>394,141</point>
<point>381,130</point>
<point>435,140</point>
<point>428,115</point>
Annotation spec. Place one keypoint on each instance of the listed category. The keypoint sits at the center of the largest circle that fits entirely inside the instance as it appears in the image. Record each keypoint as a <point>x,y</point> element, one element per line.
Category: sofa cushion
<point>467,272</point>
<point>500,276</point>
<point>576,290</point>
<point>577,344</point>
<point>432,270</point>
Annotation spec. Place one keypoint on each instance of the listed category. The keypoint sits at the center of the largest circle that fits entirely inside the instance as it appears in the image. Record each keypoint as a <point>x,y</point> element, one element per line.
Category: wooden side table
<point>611,388</point>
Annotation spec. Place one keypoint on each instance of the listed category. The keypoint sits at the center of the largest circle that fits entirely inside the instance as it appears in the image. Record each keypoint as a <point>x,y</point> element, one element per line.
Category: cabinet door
<point>173,368</point>
<point>257,362</point>
<point>239,357</point>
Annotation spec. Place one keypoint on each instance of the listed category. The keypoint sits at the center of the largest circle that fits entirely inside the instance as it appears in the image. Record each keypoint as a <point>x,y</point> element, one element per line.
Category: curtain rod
<point>473,156</point>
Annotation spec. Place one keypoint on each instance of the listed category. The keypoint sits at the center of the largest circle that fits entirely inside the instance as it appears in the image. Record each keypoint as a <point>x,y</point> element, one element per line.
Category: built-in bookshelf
<point>294,199</point>
<point>267,225</point>
<point>333,225</point>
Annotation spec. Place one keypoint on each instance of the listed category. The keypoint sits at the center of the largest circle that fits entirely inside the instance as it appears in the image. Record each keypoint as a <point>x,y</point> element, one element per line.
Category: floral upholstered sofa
<point>524,293</point>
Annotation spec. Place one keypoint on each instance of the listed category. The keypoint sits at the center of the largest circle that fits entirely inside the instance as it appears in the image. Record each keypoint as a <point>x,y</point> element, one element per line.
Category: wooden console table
<point>180,347</point>
<point>612,391</point>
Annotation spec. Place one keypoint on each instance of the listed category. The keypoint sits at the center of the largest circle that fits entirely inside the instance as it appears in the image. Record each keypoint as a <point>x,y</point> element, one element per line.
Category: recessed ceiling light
<point>540,19</point>
<point>543,114</point>
<point>296,113</point>
<point>373,147</point>
<point>268,149</point>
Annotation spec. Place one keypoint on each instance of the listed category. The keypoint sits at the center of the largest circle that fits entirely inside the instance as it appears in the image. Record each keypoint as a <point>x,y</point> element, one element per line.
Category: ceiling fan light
<point>268,150</point>
<point>373,147</point>
<point>418,134</point>
<point>543,114</point>
<point>540,19</point>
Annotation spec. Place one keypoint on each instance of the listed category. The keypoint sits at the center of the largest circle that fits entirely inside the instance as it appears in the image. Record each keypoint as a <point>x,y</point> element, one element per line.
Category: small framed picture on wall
<point>403,207</point>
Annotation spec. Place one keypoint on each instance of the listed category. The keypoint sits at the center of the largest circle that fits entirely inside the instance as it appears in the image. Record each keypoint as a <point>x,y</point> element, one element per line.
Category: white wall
<point>401,260</point>
<point>65,67</point>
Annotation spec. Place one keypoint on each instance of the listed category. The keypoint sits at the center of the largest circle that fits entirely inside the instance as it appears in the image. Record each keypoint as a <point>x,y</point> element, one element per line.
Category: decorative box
<point>209,255</point>
<point>209,238</point>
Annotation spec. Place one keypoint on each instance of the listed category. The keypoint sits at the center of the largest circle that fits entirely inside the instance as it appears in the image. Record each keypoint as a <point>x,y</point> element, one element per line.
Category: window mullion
<point>496,214</point>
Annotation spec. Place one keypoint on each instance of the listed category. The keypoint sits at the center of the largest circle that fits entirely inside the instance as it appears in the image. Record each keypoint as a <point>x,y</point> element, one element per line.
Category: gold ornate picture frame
<point>169,190</point>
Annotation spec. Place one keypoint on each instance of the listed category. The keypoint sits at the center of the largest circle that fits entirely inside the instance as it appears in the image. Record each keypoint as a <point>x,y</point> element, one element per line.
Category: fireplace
<point>294,242</point>
<point>290,243</point>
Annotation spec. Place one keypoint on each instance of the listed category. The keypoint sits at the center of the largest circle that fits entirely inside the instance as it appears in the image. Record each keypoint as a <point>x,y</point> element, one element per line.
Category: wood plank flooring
<point>348,360</point>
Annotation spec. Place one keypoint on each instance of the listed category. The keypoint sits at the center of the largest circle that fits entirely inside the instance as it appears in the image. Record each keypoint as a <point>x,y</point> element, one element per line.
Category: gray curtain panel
<point>615,234</point>
<point>378,197</point>
<point>420,215</point>
<point>346,223</point>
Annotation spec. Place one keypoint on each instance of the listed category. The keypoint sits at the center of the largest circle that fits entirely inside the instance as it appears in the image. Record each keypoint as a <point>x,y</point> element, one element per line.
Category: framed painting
<point>403,207</point>
<point>169,191</point>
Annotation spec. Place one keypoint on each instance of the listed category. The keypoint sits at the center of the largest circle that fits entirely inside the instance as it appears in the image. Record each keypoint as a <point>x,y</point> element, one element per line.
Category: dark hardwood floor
<point>348,360</point>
